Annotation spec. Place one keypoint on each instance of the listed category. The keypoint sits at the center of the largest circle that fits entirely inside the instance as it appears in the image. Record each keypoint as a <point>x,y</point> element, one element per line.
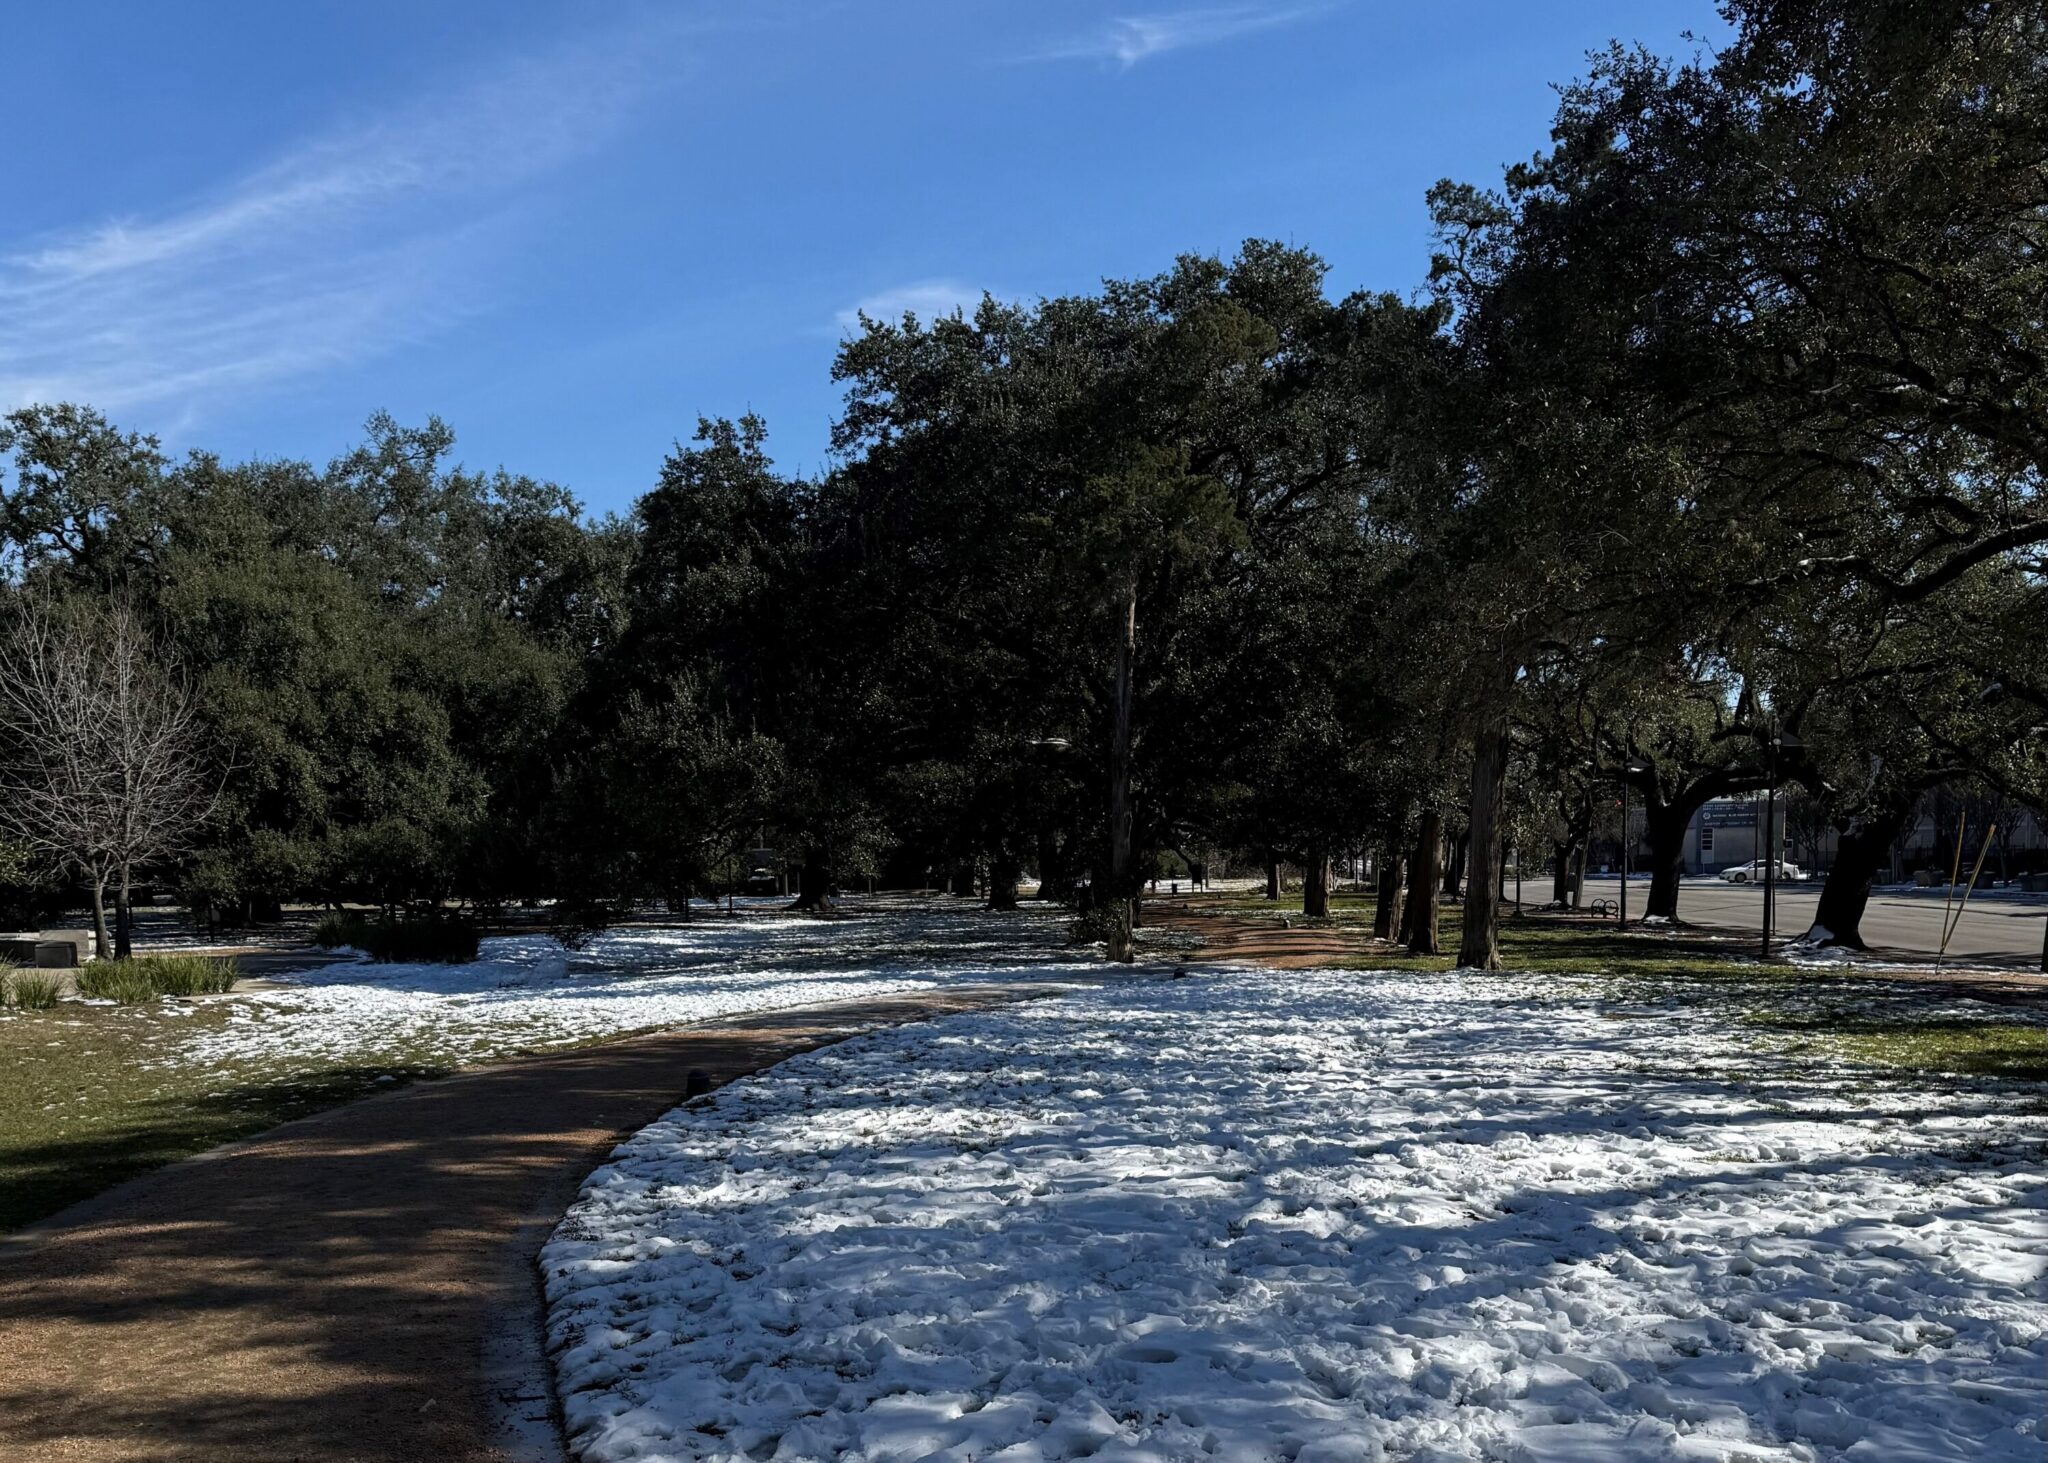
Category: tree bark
<point>1315,883</point>
<point>1123,886</point>
<point>1054,880</point>
<point>1272,877</point>
<point>814,882</point>
<point>1863,849</point>
<point>124,917</point>
<point>1454,867</point>
<point>1386,892</point>
<point>1664,826</point>
<point>1479,944</point>
<point>1562,852</point>
<point>1419,922</point>
<point>1004,873</point>
<point>102,947</point>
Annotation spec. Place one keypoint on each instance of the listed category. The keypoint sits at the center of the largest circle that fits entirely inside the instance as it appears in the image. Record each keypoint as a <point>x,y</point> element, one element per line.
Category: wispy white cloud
<point>338,250</point>
<point>1124,41</point>
<point>928,299</point>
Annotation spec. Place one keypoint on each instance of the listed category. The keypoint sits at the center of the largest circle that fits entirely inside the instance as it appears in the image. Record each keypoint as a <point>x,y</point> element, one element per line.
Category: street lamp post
<point>1630,766</point>
<point>1771,852</point>
<point>1779,740</point>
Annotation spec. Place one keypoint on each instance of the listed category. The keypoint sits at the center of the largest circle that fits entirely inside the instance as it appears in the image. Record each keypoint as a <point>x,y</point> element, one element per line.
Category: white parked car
<point>1754,872</point>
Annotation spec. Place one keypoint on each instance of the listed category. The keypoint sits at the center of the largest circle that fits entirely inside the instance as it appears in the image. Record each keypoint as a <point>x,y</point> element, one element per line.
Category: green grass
<point>141,978</point>
<point>92,1095</point>
<point>1902,1039</point>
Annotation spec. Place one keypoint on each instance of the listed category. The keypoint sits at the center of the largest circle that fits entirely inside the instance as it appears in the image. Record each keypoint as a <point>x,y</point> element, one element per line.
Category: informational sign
<point>1732,813</point>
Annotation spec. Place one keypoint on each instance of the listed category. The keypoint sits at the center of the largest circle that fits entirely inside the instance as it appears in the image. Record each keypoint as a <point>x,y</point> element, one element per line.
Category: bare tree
<point>103,756</point>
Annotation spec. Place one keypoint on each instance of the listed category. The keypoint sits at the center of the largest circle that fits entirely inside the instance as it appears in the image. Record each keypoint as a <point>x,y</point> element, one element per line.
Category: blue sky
<point>571,229</point>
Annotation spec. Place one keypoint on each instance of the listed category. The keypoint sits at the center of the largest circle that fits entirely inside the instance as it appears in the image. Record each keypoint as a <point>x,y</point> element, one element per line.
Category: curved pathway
<point>357,1285</point>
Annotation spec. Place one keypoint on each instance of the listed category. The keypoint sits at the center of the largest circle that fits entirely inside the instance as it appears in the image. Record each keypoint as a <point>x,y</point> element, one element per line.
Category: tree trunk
<point>1454,868</point>
<point>1664,826</point>
<point>1423,871</point>
<point>1561,853</point>
<point>1003,875</point>
<point>124,917</point>
<point>101,945</point>
<point>1386,892</point>
<point>1054,879</point>
<point>1864,848</point>
<point>1272,877</point>
<point>1479,944</point>
<point>814,882</point>
<point>1123,886</point>
<point>1315,883</point>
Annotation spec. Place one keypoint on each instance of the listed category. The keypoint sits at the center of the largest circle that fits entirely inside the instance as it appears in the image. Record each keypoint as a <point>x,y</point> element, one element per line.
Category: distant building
<point>1726,831</point>
<point>1729,831</point>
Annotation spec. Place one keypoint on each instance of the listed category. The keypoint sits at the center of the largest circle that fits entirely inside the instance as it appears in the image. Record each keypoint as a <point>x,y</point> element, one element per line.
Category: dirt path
<point>357,1285</point>
<point>1260,940</point>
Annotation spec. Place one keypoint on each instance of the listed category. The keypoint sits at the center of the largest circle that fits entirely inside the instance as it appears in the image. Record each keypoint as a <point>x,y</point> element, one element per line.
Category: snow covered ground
<point>528,991</point>
<point>1314,1217</point>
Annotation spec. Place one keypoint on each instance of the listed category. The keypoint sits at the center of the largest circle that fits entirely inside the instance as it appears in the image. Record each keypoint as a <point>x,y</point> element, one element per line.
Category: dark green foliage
<point>1722,418</point>
<point>403,939</point>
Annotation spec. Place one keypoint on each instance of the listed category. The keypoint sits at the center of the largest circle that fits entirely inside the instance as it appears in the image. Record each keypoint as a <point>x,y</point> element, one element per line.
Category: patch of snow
<point>1315,1216</point>
<point>528,990</point>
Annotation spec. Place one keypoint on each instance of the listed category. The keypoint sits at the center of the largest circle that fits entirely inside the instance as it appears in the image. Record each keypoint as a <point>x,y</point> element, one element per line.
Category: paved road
<point>2006,929</point>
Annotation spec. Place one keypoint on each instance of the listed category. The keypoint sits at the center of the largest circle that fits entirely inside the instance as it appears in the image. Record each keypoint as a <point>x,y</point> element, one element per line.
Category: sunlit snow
<point>527,990</point>
<point>1313,1216</point>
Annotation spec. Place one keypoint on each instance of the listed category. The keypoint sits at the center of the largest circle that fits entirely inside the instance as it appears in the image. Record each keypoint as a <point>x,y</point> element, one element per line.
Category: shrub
<point>1094,927</point>
<point>336,930</point>
<point>30,991</point>
<point>145,977</point>
<point>441,939</point>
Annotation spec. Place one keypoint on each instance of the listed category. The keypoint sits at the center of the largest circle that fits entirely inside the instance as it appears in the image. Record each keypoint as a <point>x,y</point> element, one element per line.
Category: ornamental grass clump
<point>27,990</point>
<point>140,978</point>
<point>189,975</point>
<point>116,980</point>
